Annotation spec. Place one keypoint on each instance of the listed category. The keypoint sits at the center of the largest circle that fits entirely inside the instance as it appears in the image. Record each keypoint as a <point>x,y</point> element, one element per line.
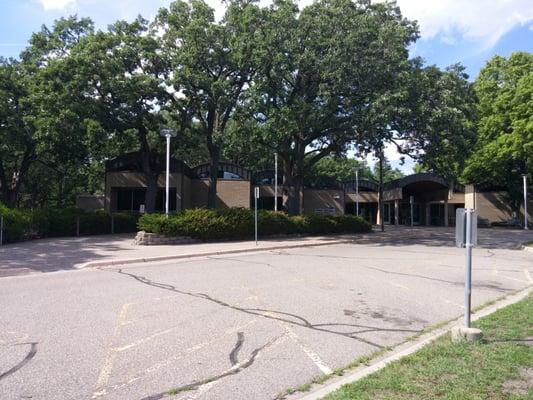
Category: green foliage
<point>329,79</point>
<point>336,169</point>
<point>389,173</point>
<point>55,222</point>
<point>446,370</point>
<point>16,224</point>
<point>504,148</point>
<point>238,223</point>
<point>306,83</point>
<point>434,121</point>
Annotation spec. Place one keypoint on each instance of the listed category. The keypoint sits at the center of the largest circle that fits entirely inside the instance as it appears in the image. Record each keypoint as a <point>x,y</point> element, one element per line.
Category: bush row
<point>238,223</point>
<point>54,222</point>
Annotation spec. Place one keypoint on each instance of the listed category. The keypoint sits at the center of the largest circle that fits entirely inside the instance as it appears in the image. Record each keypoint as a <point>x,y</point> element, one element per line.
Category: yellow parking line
<point>111,355</point>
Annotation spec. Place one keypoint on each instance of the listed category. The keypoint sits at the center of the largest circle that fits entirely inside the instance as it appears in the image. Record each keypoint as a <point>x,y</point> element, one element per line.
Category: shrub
<point>53,222</point>
<point>236,223</point>
<point>125,222</point>
<point>151,223</point>
<point>274,223</point>
<point>16,224</point>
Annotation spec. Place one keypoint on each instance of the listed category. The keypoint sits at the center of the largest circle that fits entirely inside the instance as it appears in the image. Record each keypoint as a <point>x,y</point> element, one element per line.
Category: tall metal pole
<point>412,202</point>
<point>256,196</point>
<point>525,201</point>
<point>357,191</point>
<point>468,265</point>
<point>168,176</point>
<point>381,205</point>
<point>275,181</point>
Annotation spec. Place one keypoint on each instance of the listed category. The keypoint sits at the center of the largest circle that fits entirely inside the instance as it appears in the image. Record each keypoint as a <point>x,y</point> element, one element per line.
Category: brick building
<point>428,197</point>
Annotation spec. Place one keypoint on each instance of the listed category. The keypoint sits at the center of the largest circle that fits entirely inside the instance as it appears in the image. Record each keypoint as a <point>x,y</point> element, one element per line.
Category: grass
<point>529,244</point>
<point>458,371</point>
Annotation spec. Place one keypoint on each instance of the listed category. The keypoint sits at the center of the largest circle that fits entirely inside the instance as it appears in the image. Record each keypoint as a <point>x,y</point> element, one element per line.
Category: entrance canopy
<point>423,186</point>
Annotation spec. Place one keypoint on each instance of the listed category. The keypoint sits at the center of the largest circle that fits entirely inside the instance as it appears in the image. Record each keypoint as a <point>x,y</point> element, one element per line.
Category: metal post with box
<point>466,236</point>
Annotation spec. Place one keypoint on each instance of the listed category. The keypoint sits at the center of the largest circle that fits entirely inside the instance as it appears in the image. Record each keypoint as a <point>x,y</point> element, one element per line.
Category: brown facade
<point>230,193</point>
<point>116,181</point>
<point>494,207</point>
<point>420,199</point>
<point>323,201</point>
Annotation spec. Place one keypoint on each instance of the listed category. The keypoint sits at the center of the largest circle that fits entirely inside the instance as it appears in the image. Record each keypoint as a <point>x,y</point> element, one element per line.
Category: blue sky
<point>469,32</point>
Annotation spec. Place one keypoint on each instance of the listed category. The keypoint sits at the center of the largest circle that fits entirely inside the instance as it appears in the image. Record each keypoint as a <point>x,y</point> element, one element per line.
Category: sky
<point>452,31</point>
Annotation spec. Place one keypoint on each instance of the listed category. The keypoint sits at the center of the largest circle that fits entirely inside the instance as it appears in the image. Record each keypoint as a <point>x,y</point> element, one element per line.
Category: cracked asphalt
<point>244,326</point>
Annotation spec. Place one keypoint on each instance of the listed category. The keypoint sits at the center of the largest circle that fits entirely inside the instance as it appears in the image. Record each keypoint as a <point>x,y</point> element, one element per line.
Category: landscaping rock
<point>153,239</point>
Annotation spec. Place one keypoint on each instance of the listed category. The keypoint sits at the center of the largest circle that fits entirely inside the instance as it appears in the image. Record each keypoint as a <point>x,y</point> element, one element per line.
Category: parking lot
<point>242,326</point>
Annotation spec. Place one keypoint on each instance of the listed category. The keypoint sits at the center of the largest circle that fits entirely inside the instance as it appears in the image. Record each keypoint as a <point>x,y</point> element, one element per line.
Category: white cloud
<point>479,21</point>
<point>56,4</point>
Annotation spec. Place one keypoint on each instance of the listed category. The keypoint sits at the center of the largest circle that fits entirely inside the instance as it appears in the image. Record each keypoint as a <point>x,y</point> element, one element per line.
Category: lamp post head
<point>167,132</point>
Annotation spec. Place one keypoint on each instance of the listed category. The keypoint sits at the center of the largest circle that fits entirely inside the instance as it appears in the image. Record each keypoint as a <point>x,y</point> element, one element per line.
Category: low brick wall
<point>153,239</point>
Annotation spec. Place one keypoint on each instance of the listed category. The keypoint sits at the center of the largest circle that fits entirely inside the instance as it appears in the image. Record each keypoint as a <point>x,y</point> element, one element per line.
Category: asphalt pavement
<point>241,326</point>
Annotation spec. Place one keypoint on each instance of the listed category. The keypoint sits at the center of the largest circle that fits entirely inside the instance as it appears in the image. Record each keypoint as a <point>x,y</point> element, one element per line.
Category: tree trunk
<point>11,189</point>
<point>9,197</point>
<point>151,177</point>
<point>293,183</point>
<point>151,191</point>
<point>214,160</point>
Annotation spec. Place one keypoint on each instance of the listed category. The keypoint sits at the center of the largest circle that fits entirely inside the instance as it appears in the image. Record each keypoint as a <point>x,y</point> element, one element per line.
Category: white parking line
<point>321,365</point>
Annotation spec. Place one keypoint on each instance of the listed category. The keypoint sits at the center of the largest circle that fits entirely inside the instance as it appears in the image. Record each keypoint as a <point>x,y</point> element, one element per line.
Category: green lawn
<point>444,370</point>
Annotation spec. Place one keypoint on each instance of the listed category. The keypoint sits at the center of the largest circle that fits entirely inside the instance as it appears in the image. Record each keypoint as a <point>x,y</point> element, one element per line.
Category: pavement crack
<point>27,358</point>
<point>235,369</point>
<point>265,313</point>
<point>233,356</point>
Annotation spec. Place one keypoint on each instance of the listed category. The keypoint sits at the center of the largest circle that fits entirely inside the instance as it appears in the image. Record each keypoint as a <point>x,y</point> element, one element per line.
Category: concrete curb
<point>110,263</point>
<point>406,349</point>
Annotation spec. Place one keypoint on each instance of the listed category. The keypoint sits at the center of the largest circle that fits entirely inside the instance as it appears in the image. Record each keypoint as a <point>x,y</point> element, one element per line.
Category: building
<point>125,185</point>
<point>424,199</point>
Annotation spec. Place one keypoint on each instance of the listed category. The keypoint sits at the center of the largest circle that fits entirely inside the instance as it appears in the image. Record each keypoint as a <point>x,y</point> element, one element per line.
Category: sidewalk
<point>58,254</point>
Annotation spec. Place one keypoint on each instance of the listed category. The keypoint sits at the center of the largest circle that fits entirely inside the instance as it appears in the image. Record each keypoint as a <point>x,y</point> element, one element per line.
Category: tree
<point>335,168</point>
<point>331,70</point>
<point>434,119</point>
<point>211,66</point>
<point>389,173</point>
<point>41,111</point>
<point>504,148</point>
<point>124,73</point>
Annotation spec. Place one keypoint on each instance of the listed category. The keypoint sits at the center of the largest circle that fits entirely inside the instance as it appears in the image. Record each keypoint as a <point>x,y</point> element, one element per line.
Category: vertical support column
<point>446,210</point>
<point>396,212</point>
<point>428,214</point>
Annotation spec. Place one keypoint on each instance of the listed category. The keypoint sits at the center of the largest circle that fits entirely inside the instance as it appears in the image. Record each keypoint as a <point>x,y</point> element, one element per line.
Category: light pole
<point>524,177</point>
<point>168,133</point>
<point>275,181</point>
<point>357,191</point>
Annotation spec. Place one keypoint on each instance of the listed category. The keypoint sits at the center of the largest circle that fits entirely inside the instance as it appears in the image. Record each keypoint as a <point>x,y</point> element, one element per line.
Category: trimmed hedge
<point>16,224</point>
<point>238,223</point>
<point>55,222</point>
